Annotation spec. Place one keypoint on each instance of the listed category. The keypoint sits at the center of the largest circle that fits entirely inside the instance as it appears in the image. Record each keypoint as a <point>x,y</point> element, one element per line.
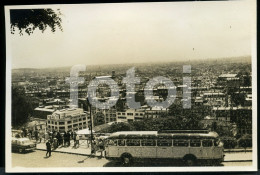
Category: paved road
<point>37,159</point>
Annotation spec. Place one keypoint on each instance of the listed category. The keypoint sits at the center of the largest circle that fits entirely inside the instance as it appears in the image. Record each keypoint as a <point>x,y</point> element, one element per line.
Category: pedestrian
<point>68,137</point>
<point>40,136</point>
<point>77,140</point>
<point>74,138</point>
<point>51,141</point>
<point>62,137</point>
<point>22,132</point>
<point>25,133</point>
<point>93,147</point>
<point>71,135</point>
<point>48,147</point>
<point>65,139</point>
<point>55,143</point>
<point>36,135</point>
<point>30,134</point>
<point>58,136</point>
<point>46,136</point>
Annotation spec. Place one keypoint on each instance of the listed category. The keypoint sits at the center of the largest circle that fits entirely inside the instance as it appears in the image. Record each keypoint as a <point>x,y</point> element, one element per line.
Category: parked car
<point>22,145</point>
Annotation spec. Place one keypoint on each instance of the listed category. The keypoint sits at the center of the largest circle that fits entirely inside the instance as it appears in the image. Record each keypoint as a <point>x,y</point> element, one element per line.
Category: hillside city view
<point>221,100</point>
<point>161,85</point>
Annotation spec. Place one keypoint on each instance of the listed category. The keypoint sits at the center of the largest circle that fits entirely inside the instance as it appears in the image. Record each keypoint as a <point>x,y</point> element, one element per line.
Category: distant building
<point>229,80</point>
<point>110,115</point>
<point>241,116</point>
<point>113,74</point>
<point>214,98</point>
<point>130,115</point>
<point>248,100</point>
<point>42,112</point>
<point>67,119</point>
<point>155,112</point>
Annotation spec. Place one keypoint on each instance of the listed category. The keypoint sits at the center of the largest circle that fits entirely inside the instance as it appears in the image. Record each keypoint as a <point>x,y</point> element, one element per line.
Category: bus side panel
<point>207,153</point>
<point>179,152</point>
<point>135,151</point>
<point>149,152</point>
<point>196,151</point>
<point>121,150</point>
<point>112,151</point>
<point>164,152</point>
<point>217,152</point>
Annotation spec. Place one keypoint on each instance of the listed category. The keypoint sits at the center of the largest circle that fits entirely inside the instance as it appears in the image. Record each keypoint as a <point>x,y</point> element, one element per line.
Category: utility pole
<point>88,105</point>
<point>91,132</point>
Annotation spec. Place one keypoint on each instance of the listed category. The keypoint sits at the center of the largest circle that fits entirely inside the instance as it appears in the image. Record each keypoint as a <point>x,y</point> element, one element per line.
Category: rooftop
<point>228,75</point>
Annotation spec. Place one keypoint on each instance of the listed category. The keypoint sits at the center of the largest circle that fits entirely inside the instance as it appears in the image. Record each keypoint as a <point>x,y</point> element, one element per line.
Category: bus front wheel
<point>20,150</point>
<point>126,159</point>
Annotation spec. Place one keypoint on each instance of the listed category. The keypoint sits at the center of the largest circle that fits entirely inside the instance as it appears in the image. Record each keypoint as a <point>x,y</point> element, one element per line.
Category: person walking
<point>68,137</point>
<point>71,135</point>
<point>74,138</point>
<point>40,136</point>
<point>58,136</point>
<point>36,135</point>
<point>65,139</point>
<point>77,141</point>
<point>48,147</point>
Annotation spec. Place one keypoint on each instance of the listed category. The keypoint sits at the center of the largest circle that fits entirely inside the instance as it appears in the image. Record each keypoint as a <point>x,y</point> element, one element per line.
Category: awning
<point>84,132</point>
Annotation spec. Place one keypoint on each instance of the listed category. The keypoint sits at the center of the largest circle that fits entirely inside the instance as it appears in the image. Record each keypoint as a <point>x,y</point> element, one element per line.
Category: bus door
<point>112,147</point>
<point>218,149</point>
<point>148,148</point>
<point>164,148</point>
<point>207,149</point>
<point>195,148</point>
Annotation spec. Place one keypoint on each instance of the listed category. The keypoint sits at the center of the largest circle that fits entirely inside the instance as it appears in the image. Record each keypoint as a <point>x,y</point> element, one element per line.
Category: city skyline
<point>129,33</point>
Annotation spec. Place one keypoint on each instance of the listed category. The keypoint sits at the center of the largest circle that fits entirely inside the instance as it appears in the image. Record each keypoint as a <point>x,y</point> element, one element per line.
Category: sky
<point>138,33</point>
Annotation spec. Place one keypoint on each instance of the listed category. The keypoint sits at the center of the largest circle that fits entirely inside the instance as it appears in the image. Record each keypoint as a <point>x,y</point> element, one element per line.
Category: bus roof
<point>137,134</point>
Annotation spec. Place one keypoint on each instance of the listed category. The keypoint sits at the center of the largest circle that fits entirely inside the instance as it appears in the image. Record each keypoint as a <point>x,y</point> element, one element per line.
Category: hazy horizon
<point>158,62</point>
<point>127,33</point>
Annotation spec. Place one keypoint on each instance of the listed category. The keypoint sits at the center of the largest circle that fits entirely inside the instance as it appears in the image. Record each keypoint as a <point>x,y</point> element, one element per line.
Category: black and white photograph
<point>131,87</point>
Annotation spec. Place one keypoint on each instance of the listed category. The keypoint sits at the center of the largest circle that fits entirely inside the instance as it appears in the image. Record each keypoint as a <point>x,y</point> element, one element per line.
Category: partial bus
<point>191,146</point>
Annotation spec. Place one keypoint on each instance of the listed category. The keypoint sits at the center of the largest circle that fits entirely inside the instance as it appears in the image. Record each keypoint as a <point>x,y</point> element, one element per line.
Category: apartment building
<point>68,119</point>
<point>130,115</point>
<point>155,112</point>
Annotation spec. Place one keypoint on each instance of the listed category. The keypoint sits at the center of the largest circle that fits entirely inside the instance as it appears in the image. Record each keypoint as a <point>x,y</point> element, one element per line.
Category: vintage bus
<point>190,146</point>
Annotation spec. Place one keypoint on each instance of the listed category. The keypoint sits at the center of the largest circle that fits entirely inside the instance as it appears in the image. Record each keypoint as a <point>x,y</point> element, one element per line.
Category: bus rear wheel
<point>190,160</point>
<point>126,159</point>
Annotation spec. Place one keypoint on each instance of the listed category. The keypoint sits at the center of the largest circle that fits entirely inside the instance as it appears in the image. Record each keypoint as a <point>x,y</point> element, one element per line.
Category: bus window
<point>121,142</point>
<point>133,142</point>
<point>195,143</point>
<point>112,143</point>
<point>148,142</point>
<point>164,142</point>
<point>181,142</point>
<point>207,143</point>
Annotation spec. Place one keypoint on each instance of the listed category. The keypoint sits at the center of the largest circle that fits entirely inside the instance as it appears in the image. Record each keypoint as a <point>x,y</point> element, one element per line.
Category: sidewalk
<point>83,148</point>
<point>238,150</point>
<point>238,157</point>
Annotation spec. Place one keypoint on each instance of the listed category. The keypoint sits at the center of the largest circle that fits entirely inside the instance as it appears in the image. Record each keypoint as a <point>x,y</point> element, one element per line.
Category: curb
<point>236,151</point>
<point>238,161</point>
<point>69,152</point>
